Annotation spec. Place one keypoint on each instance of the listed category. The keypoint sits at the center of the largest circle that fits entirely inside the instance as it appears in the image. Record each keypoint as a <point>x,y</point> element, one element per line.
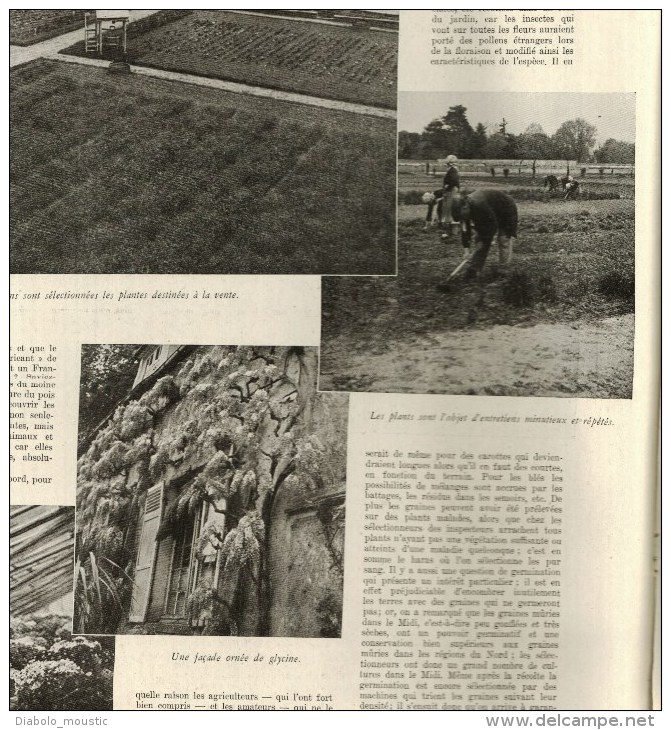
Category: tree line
<point>453,134</point>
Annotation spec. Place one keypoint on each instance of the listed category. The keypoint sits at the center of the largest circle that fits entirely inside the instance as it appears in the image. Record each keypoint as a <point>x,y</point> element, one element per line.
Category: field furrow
<point>130,174</point>
<point>329,61</point>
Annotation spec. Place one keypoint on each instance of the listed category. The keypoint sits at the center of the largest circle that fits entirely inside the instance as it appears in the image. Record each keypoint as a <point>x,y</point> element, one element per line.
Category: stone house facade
<point>218,489</point>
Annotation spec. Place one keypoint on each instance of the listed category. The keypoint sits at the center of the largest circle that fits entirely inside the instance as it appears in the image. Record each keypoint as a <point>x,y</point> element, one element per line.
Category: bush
<point>135,419</point>
<point>44,629</point>
<point>85,653</point>
<point>329,614</point>
<point>519,289</point>
<point>23,651</point>
<point>615,285</point>
<point>112,462</point>
<point>410,197</point>
<point>62,685</point>
<point>20,627</point>
<point>73,674</point>
<point>51,685</point>
<point>547,289</point>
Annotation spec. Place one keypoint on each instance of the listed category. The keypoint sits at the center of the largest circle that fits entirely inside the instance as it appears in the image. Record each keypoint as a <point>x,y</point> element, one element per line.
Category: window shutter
<point>157,599</point>
<point>146,554</point>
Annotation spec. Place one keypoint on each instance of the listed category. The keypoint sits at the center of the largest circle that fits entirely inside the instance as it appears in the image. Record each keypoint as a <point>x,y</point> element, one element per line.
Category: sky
<point>613,115</point>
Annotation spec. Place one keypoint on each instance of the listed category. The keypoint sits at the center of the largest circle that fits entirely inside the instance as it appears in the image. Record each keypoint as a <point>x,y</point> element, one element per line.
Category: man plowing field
<point>491,213</point>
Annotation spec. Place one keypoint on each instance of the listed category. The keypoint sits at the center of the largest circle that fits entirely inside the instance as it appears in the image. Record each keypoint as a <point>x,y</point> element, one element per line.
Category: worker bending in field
<point>571,188</point>
<point>551,183</point>
<point>442,199</point>
<point>491,213</point>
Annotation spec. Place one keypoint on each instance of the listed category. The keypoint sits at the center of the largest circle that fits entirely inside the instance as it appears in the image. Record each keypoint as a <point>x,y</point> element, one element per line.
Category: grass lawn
<point>32,26</point>
<point>310,58</point>
<point>127,174</point>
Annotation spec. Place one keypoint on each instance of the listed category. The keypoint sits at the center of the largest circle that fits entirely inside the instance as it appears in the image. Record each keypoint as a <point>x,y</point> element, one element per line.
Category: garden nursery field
<point>559,321</point>
<point>130,174</point>
<point>322,59</point>
<point>32,26</point>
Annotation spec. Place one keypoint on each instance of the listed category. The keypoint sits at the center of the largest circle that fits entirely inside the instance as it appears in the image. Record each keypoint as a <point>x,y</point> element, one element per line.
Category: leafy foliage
<point>101,586</point>
<point>62,685</point>
<point>83,652</point>
<point>107,372</point>
<point>329,611</point>
<point>615,285</point>
<point>614,151</point>
<point>574,140</point>
<point>235,416</point>
<point>25,650</point>
<point>42,628</point>
<point>452,133</point>
<point>66,673</point>
<point>242,546</point>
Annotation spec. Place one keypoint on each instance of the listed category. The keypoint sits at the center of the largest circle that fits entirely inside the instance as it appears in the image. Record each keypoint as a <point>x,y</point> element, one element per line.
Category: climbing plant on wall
<point>241,415</point>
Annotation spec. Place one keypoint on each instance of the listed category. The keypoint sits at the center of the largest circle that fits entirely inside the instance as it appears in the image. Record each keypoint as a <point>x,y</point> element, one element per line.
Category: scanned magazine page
<point>334,360</point>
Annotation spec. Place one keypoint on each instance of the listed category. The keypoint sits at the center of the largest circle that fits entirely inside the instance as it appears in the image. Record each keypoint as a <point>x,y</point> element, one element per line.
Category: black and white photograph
<point>49,668</point>
<point>516,253</point>
<point>210,492</point>
<point>203,142</point>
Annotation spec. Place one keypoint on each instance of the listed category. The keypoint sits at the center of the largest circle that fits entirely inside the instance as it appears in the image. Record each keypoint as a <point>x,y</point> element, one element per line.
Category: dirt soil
<point>554,360</point>
<point>559,321</point>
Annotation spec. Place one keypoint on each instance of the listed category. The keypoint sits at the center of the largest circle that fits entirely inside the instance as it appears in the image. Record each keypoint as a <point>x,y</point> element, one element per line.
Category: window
<point>181,568</point>
<point>167,567</point>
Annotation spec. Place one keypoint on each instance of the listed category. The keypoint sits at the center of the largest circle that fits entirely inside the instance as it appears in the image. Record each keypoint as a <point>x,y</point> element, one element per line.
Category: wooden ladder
<point>90,36</point>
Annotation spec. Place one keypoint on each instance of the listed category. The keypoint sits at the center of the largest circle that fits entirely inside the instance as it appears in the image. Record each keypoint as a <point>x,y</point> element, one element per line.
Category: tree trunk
<point>264,587</point>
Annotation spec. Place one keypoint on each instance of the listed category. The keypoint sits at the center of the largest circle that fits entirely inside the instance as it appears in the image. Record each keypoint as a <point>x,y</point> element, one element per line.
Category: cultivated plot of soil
<point>558,322</point>
<point>413,181</point>
<point>126,174</point>
<point>316,59</point>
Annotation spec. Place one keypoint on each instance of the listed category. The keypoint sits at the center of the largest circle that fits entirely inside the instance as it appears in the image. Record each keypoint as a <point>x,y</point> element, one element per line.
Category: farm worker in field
<point>572,188</point>
<point>491,213</point>
<point>550,182</point>
<point>451,185</point>
<point>442,199</point>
